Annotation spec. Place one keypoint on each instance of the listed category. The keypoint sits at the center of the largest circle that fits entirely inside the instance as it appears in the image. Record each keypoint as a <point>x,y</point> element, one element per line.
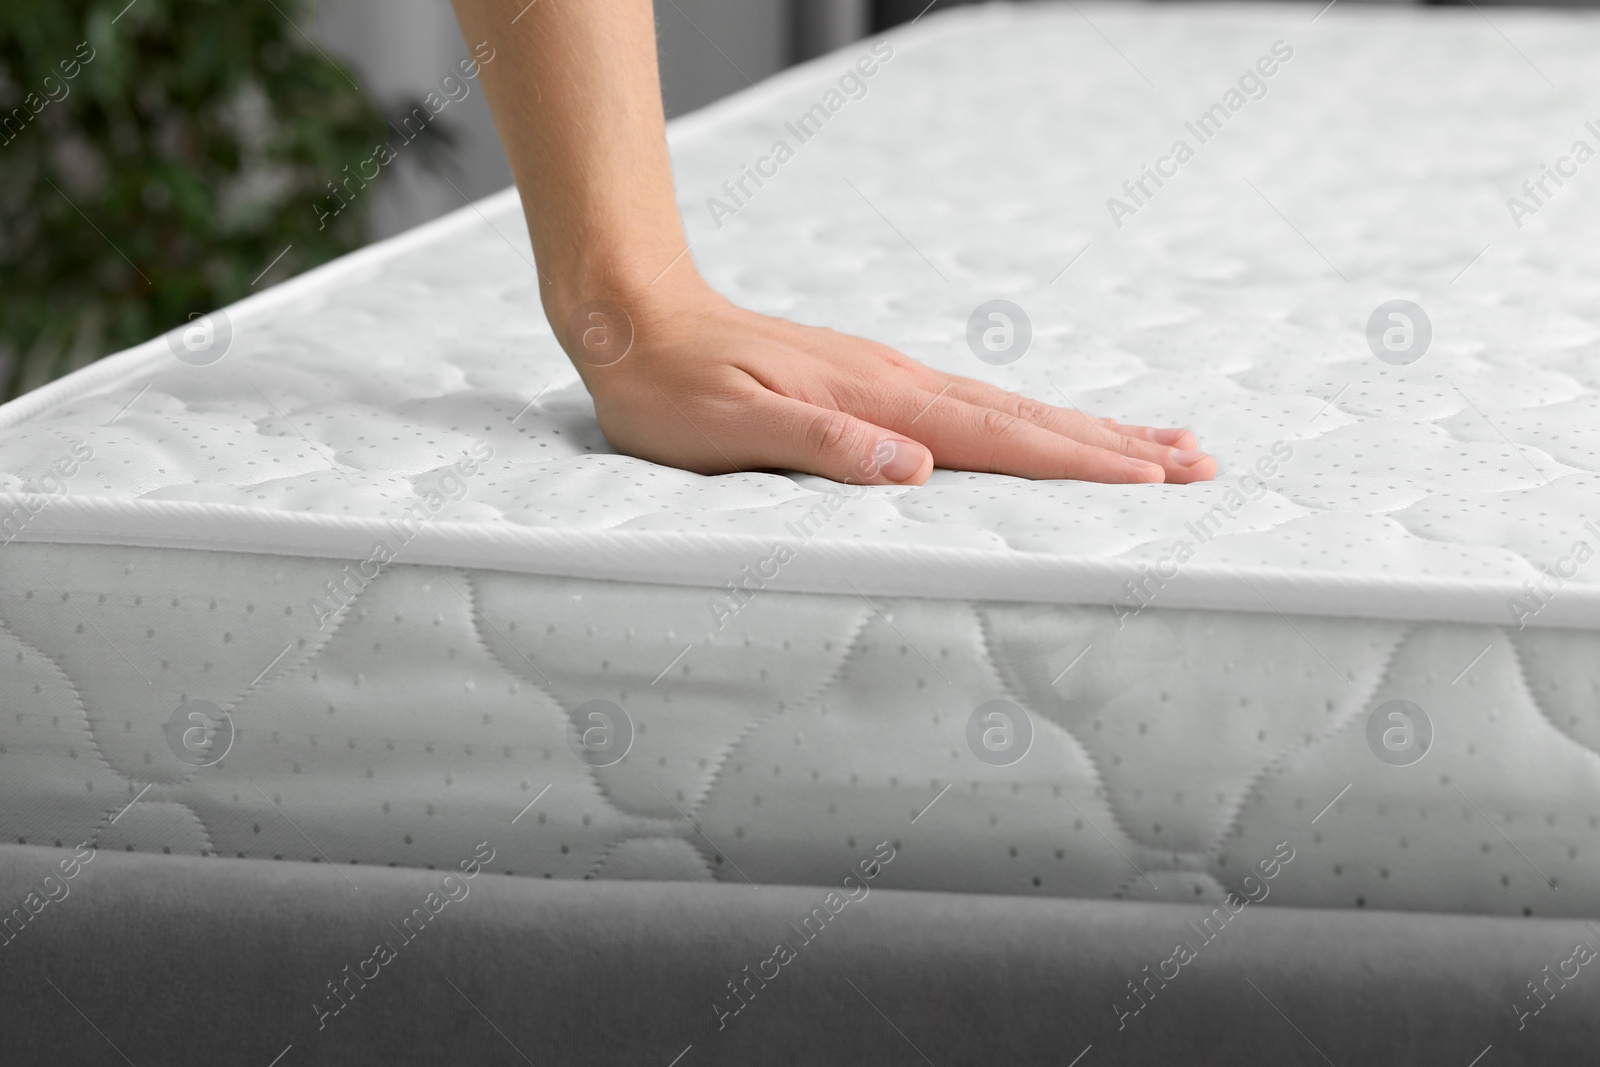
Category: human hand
<point>711,387</point>
<point>707,386</point>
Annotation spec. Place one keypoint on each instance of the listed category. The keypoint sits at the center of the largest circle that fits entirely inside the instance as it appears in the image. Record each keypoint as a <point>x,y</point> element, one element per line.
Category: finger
<point>794,435</point>
<point>1179,465</point>
<point>1173,436</point>
<point>974,437</point>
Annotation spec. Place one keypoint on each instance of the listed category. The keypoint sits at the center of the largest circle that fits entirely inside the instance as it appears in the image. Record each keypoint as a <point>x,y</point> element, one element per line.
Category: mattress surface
<point>1379,531</point>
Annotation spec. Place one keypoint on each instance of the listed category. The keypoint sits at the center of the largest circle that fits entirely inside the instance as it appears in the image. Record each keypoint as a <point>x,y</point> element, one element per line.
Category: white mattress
<point>1172,748</point>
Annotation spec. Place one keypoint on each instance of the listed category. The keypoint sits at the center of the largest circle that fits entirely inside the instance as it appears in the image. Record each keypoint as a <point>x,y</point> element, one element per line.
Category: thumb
<point>835,444</point>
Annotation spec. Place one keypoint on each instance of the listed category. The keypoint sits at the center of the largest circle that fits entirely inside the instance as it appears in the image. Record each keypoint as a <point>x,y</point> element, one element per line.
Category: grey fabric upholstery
<point>175,960</point>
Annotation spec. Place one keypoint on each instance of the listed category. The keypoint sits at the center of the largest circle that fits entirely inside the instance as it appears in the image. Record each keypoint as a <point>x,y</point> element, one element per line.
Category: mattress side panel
<point>625,730</point>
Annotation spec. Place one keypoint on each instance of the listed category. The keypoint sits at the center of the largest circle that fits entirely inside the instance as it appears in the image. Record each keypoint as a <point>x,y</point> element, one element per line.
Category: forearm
<point>576,98</point>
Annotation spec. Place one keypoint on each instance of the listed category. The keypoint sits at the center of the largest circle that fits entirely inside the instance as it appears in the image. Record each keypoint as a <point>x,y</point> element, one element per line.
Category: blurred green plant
<point>154,158</point>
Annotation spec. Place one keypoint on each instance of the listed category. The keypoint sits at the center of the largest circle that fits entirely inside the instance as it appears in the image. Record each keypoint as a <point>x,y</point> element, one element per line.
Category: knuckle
<point>831,433</point>
<point>1029,409</point>
<point>894,359</point>
<point>1000,424</point>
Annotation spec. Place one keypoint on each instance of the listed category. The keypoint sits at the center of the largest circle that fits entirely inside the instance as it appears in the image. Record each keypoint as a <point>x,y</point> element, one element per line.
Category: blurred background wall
<point>708,49</point>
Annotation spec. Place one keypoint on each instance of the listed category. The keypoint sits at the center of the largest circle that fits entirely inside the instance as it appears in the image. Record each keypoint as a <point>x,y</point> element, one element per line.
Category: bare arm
<point>708,386</point>
<point>577,101</point>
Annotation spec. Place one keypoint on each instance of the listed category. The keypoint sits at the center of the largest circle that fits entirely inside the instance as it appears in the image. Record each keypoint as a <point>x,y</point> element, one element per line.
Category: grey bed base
<point>151,959</point>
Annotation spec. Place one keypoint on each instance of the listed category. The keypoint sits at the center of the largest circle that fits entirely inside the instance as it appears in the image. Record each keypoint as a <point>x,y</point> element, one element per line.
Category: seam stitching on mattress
<point>863,618</point>
<point>1277,763</point>
<point>594,868</point>
<point>476,613</point>
<point>77,699</point>
<point>816,695</point>
<point>1122,891</point>
<point>1521,675</point>
<point>94,742</point>
<point>311,651</point>
<point>205,832</point>
<point>594,871</point>
<point>106,817</point>
<point>1014,688</point>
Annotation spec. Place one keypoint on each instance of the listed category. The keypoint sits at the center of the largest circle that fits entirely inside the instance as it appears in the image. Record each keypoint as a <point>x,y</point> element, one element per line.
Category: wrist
<point>633,292</point>
<point>580,263</point>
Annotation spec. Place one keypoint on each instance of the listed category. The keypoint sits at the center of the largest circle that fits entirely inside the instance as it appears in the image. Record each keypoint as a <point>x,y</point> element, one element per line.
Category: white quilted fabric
<point>1376,563</point>
<point>1168,756</point>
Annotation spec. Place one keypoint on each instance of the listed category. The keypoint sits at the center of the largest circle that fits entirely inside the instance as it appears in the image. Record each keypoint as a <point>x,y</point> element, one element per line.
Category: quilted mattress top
<point>1437,465</point>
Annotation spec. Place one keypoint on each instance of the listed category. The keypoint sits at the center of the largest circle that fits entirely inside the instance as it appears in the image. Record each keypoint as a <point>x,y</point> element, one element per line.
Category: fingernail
<point>899,460</point>
<point>1187,457</point>
<point>1169,436</point>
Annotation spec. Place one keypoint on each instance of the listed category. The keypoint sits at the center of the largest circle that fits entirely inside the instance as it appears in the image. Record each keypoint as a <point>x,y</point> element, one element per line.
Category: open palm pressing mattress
<point>348,574</point>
